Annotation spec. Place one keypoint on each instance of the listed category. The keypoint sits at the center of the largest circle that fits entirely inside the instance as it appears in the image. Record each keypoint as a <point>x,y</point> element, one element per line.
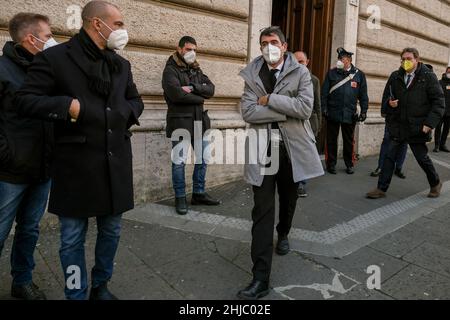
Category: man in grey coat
<point>277,103</point>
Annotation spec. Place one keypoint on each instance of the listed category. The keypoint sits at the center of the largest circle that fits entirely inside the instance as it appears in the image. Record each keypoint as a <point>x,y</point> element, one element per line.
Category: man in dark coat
<point>343,87</point>
<point>316,116</point>
<point>88,91</point>
<point>186,88</point>
<point>401,155</point>
<point>442,130</point>
<point>416,106</point>
<point>25,147</point>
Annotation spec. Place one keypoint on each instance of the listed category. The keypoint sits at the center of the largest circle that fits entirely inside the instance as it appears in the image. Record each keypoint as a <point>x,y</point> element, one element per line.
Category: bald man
<point>87,90</point>
<point>316,116</point>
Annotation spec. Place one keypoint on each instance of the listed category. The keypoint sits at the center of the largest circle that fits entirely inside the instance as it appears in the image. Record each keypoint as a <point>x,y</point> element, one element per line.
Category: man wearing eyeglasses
<point>277,101</point>
<point>415,107</point>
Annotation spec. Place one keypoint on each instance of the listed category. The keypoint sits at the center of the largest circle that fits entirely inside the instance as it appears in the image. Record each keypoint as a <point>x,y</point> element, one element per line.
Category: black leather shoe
<point>102,293</point>
<point>256,290</point>
<point>350,170</point>
<point>436,149</point>
<point>181,206</point>
<point>282,247</point>
<point>203,199</point>
<point>332,170</point>
<point>400,174</point>
<point>27,292</point>
<point>444,149</point>
<point>376,173</point>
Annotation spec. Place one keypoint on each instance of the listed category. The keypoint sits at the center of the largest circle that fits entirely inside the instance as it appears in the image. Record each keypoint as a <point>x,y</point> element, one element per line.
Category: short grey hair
<point>273,30</point>
<point>24,23</point>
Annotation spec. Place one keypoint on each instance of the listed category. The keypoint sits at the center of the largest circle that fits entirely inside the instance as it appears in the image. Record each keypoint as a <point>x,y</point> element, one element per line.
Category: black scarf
<point>102,64</point>
<point>18,54</point>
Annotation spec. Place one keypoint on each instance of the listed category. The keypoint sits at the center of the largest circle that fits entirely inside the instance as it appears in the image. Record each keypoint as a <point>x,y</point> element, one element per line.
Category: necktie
<point>273,81</point>
<point>408,80</point>
<point>273,78</point>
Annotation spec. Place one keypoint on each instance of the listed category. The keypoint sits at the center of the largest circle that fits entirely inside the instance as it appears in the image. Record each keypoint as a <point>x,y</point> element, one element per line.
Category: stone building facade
<point>227,32</point>
<point>423,24</point>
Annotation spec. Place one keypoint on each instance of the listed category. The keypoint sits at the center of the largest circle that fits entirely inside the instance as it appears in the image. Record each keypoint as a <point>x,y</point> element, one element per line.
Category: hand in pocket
<point>426,129</point>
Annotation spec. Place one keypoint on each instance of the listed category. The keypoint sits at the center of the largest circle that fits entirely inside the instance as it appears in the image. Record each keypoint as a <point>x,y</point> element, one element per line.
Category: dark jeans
<point>420,151</point>
<point>263,215</point>
<point>72,255</point>
<point>178,175</point>
<point>441,133</point>
<point>401,155</point>
<point>348,136</point>
<point>26,204</point>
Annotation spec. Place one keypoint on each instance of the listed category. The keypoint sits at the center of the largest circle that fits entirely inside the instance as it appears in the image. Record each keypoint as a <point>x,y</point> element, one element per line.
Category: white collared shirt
<point>413,74</point>
<point>279,68</point>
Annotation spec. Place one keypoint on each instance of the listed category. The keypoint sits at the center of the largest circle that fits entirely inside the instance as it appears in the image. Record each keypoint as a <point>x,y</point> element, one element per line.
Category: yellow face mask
<point>408,65</point>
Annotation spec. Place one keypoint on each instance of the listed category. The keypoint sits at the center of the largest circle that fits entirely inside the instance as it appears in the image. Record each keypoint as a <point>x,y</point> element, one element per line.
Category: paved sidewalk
<point>337,235</point>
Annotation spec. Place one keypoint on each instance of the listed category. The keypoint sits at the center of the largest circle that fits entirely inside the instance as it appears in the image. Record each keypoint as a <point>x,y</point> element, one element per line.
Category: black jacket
<point>445,83</point>
<point>185,108</point>
<point>25,143</point>
<point>92,164</point>
<point>420,104</point>
<point>341,104</point>
<point>316,116</point>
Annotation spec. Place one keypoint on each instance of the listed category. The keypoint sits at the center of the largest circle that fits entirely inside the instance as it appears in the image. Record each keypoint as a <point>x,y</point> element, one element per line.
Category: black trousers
<point>263,215</point>
<point>441,133</point>
<point>348,137</point>
<point>420,151</point>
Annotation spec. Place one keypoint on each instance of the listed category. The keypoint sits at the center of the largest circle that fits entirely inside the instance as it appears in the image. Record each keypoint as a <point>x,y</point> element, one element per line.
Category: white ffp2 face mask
<point>117,40</point>
<point>340,65</point>
<point>47,44</point>
<point>271,54</point>
<point>190,57</point>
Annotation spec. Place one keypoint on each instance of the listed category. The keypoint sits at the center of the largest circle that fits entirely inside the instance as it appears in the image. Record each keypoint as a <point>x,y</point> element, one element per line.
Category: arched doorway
<point>308,25</point>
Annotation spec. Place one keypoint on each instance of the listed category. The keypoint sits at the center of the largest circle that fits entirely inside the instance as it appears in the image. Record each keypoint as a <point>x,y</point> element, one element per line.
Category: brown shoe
<point>376,194</point>
<point>436,191</point>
